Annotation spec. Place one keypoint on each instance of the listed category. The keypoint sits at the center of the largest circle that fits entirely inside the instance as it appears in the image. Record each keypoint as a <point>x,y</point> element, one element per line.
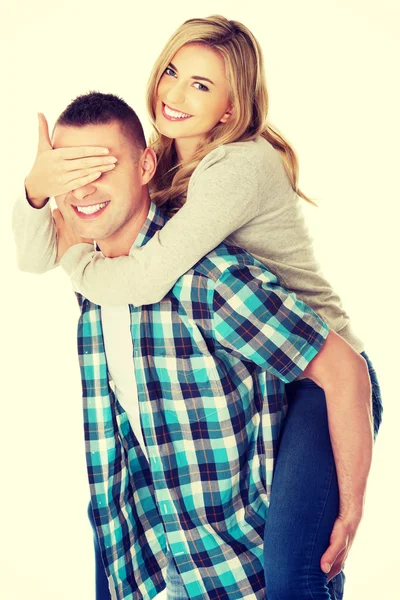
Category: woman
<point>224,172</point>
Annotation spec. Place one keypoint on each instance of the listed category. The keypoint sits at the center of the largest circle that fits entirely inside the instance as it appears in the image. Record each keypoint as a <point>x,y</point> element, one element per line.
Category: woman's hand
<point>57,172</point>
<point>66,236</point>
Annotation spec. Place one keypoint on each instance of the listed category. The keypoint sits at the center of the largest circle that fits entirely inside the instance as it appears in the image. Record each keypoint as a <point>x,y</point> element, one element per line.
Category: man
<point>181,438</point>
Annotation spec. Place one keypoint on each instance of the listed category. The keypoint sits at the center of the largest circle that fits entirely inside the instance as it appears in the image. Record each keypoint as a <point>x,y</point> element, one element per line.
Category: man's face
<point>107,208</point>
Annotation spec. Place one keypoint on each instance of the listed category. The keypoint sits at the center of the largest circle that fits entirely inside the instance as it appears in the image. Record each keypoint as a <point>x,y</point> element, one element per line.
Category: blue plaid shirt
<point>211,362</point>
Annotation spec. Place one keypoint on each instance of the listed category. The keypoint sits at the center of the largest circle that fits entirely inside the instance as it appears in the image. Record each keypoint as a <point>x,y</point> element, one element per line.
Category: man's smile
<point>90,211</point>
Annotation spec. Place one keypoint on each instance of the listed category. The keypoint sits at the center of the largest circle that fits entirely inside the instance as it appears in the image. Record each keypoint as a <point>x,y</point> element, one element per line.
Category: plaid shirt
<point>211,360</point>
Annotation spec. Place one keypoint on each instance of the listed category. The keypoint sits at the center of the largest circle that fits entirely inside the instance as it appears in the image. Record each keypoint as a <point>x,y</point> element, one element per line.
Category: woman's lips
<point>170,118</point>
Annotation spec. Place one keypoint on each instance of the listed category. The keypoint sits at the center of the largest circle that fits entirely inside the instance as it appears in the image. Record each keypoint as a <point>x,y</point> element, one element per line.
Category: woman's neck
<point>186,148</point>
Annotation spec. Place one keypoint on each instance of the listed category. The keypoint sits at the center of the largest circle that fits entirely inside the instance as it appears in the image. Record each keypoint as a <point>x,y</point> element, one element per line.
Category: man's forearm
<point>344,377</point>
<point>351,431</point>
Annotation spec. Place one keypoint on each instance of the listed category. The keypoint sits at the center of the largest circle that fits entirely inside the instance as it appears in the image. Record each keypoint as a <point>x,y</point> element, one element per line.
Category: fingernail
<point>327,567</point>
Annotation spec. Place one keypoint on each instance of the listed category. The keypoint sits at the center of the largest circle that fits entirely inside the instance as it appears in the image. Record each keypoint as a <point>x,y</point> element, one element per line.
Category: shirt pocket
<point>190,388</point>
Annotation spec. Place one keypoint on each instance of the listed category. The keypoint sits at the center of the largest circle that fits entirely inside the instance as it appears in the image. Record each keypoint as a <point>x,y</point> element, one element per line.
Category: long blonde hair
<point>248,90</point>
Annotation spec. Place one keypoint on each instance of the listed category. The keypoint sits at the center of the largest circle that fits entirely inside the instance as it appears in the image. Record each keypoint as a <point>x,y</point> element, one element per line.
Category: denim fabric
<point>305,498</point>
<point>175,587</point>
<point>377,407</point>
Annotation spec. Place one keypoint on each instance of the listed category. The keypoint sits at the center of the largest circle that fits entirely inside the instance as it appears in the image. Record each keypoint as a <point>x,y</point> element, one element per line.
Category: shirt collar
<point>155,220</point>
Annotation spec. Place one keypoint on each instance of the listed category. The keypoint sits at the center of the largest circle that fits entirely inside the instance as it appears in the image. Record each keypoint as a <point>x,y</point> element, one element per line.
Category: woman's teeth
<point>174,113</point>
<point>89,210</point>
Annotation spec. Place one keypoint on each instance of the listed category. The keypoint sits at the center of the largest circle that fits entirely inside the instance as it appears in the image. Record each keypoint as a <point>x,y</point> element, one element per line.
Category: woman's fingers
<point>81,152</point>
<point>74,177</point>
<point>57,172</point>
<point>58,218</point>
<point>81,181</point>
<point>88,163</point>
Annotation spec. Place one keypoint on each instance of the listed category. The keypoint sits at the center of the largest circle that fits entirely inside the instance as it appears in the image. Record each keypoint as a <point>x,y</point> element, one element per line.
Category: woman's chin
<point>164,129</point>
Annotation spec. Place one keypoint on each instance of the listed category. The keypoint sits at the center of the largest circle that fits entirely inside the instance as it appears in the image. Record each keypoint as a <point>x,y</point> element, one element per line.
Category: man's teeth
<point>175,114</point>
<point>89,210</point>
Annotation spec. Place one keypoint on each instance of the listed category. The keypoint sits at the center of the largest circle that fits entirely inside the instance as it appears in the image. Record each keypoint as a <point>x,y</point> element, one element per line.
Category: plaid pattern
<point>211,360</point>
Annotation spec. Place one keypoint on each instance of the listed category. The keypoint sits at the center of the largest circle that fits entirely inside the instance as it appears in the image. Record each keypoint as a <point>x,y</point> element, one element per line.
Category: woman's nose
<point>175,95</point>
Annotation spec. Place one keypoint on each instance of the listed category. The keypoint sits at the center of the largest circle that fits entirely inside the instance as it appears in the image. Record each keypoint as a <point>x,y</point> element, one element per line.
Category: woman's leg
<point>175,587</point>
<point>102,589</point>
<point>304,500</point>
<point>305,497</point>
<point>377,408</point>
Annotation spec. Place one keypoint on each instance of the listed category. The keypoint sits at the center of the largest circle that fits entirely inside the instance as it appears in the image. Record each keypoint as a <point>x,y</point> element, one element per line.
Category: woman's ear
<point>227,115</point>
<point>148,165</point>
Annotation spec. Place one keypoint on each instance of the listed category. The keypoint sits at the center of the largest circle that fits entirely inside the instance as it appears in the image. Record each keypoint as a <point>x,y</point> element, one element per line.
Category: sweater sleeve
<point>222,197</point>
<point>35,236</point>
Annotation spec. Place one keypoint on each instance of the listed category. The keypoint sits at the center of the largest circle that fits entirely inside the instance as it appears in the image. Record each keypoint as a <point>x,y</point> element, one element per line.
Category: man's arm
<point>343,375</point>
<point>256,319</point>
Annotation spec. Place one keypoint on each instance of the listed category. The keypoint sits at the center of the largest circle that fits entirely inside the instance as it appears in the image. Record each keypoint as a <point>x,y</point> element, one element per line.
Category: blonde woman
<point>224,173</point>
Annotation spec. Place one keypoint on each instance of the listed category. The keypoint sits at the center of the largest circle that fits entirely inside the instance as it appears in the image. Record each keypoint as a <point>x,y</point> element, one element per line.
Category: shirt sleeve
<point>221,198</point>
<point>35,236</point>
<point>256,319</point>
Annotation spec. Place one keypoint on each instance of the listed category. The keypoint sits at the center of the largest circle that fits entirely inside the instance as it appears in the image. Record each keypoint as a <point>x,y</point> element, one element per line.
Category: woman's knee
<point>283,582</point>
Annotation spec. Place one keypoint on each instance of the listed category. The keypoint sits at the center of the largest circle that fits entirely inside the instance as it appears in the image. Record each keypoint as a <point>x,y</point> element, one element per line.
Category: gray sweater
<point>240,193</point>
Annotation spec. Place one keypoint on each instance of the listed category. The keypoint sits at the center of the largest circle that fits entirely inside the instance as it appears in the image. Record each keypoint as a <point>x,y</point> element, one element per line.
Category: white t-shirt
<point>119,351</point>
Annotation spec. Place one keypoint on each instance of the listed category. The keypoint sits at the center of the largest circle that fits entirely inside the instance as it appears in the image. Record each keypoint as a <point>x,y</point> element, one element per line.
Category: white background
<point>332,71</point>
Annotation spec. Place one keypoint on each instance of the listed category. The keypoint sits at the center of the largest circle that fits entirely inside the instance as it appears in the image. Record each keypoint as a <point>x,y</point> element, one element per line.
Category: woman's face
<point>192,96</point>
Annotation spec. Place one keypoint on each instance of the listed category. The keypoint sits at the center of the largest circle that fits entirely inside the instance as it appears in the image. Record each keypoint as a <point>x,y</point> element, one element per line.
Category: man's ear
<point>148,165</point>
<point>227,115</point>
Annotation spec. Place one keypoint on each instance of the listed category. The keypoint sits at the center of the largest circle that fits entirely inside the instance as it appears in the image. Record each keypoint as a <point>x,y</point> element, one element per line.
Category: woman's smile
<point>172,114</point>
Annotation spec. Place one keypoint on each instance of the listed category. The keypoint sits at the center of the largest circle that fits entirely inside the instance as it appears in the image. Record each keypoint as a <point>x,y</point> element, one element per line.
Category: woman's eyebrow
<point>198,77</point>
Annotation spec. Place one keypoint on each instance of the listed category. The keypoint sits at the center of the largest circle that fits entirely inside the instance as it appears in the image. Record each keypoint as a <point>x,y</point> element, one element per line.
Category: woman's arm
<point>222,198</point>
<point>343,375</point>
<point>35,236</point>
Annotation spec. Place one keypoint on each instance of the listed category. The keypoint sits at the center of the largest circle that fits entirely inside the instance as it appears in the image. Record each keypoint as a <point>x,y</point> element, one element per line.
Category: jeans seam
<point>317,528</point>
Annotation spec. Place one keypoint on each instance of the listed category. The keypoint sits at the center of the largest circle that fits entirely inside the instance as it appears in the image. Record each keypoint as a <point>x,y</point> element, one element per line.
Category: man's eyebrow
<point>197,77</point>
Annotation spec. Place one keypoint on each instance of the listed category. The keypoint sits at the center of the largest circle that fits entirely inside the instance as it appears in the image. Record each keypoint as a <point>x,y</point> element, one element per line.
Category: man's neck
<point>122,241</point>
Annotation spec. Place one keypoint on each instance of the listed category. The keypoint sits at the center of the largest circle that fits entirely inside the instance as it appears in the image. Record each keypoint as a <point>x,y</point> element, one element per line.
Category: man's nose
<point>82,192</point>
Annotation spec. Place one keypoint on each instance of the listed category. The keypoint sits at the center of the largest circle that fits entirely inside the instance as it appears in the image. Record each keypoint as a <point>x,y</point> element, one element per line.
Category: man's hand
<point>67,236</point>
<point>343,375</point>
<point>342,536</point>
<point>57,172</point>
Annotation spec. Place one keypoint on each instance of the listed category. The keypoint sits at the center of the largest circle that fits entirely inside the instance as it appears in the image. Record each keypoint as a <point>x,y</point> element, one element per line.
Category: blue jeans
<point>175,588</point>
<point>305,498</point>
